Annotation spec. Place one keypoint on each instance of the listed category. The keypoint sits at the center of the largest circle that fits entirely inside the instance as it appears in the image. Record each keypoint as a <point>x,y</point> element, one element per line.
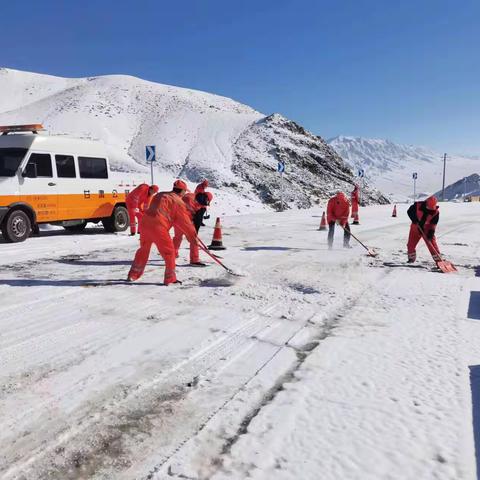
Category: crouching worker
<point>196,204</point>
<point>166,210</point>
<point>137,202</point>
<point>424,216</point>
<point>338,210</point>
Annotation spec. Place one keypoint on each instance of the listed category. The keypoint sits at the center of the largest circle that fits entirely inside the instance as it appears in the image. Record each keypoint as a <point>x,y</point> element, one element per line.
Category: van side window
<point>65,166</point>
<point>43,163</point>
<point>92,167</point>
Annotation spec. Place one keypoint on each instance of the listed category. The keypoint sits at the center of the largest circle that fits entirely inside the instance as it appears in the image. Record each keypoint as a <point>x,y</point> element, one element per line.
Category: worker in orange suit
<point>424,216</point>
<point>355,199</point>
<point>196,204</point>
<point>137,202</point>
<point>338,210</point>
<point>166,210</point>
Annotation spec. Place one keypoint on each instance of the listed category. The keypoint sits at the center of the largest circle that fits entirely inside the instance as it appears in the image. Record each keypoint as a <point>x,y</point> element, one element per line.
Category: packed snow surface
<point>389,166</point>
<point>314,364</point>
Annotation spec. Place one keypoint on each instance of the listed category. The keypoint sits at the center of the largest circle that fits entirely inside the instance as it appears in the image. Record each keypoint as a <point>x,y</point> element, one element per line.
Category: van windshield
<point>10,159</point>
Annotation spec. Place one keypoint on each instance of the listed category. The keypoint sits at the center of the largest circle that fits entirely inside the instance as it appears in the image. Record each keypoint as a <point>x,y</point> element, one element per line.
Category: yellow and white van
<point>57,180</point>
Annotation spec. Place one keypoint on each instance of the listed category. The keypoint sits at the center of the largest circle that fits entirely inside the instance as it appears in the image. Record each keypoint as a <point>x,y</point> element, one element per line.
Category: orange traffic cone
<point>394,213</point>
<point>323,223</point>
<point>217,237</point>
<point>356,219</point>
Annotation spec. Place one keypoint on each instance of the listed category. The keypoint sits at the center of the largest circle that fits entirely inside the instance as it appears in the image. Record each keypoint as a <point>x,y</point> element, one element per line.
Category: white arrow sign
<point>150,153</point>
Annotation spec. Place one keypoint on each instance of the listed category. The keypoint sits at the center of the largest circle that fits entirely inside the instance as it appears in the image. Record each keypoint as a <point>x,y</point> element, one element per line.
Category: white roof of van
<point>54,144</point>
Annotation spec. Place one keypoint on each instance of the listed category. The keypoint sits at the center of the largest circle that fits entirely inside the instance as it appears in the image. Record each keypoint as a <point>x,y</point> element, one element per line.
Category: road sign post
<point>281,170</point>
<point>414,176</point>
<point>361,174</point>
<point>150,157</point>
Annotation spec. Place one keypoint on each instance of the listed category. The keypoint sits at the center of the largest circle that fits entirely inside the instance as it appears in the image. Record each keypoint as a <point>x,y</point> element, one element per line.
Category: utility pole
<point>464,188</point>
<point>443,183</point>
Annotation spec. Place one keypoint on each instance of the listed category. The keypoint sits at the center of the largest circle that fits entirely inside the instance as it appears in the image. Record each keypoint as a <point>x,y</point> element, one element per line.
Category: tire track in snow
<point>329,324</point>
<point>187,370</point>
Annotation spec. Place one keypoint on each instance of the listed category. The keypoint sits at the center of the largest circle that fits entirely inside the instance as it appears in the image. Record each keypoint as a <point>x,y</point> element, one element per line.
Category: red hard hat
<point>180,184</point>
<point>431,202</point>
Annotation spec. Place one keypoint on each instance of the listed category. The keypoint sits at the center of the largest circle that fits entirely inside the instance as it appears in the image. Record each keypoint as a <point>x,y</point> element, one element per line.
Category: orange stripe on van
<point>59,207</point>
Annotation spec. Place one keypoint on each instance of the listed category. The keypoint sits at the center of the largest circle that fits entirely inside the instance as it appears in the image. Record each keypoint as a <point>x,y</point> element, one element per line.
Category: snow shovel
<point>207,251</point>
<point>370,251</point>
<point>444,265</point>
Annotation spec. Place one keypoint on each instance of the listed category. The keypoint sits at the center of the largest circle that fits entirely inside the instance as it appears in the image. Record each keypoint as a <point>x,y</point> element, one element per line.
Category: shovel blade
<point>446,267</point>
<point>371,253</point>
<point>235,274</point>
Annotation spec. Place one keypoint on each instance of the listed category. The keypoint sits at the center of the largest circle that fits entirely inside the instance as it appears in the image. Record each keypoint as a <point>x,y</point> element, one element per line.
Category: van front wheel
<point>16,227</point>
<point>118,221</point>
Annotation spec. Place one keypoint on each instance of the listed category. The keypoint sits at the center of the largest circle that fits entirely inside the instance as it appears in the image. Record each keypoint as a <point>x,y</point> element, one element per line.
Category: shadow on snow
<point>474,306</point>
<point>104,263</point>
<point>280,249</point>
<point>475,387</point>
<point>70,283</point>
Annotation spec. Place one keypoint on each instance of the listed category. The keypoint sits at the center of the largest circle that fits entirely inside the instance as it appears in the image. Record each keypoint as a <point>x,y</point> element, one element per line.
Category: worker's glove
<point>206,216</point>
<point>137,210</point>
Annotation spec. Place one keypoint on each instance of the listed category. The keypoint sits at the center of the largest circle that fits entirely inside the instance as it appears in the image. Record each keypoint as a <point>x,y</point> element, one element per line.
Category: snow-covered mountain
<point>389,166</point>
<point>464,187</point>
<point>197,134</point>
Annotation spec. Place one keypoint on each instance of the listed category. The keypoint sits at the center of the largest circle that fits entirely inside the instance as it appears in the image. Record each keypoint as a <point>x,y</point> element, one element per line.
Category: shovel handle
<point>373,254</point>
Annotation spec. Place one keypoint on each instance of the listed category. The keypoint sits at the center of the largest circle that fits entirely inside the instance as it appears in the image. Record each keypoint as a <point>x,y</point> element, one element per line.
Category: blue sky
<point>405,70</point>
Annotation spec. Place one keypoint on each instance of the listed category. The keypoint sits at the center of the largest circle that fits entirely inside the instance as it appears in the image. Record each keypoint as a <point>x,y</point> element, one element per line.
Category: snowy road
<point>316,364</point>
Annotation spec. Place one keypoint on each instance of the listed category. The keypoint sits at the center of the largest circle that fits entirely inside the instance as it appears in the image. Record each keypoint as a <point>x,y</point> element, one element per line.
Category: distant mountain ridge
<point>464,187</point>
<point>390,166</point>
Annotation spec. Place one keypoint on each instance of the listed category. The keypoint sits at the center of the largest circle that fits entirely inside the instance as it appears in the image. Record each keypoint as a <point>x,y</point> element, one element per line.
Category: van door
<point>69,207</point>
<point>40,189</point>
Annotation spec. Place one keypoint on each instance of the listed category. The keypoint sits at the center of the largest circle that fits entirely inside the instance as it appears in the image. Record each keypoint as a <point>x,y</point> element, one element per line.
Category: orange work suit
<point>192,207</point>
<point>200,188</point>
<point>136,201</point>
<point>166,210</point>
<point>338,209</point>
<point>427,220</point>
<point>355,198</point>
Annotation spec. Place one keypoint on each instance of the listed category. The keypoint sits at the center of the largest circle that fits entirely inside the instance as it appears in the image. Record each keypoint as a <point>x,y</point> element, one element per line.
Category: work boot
<point>198,264</point>
<point>170,277</point>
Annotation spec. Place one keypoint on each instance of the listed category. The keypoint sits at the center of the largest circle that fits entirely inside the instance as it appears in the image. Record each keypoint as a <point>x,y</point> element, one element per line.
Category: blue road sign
<point>150,153</point>
<point>414,175</point>
<point>361,172</point>
<point>281,167</point>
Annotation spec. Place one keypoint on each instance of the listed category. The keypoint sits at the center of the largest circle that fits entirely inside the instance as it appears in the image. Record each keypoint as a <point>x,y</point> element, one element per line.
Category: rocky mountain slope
<point>197,134</point>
